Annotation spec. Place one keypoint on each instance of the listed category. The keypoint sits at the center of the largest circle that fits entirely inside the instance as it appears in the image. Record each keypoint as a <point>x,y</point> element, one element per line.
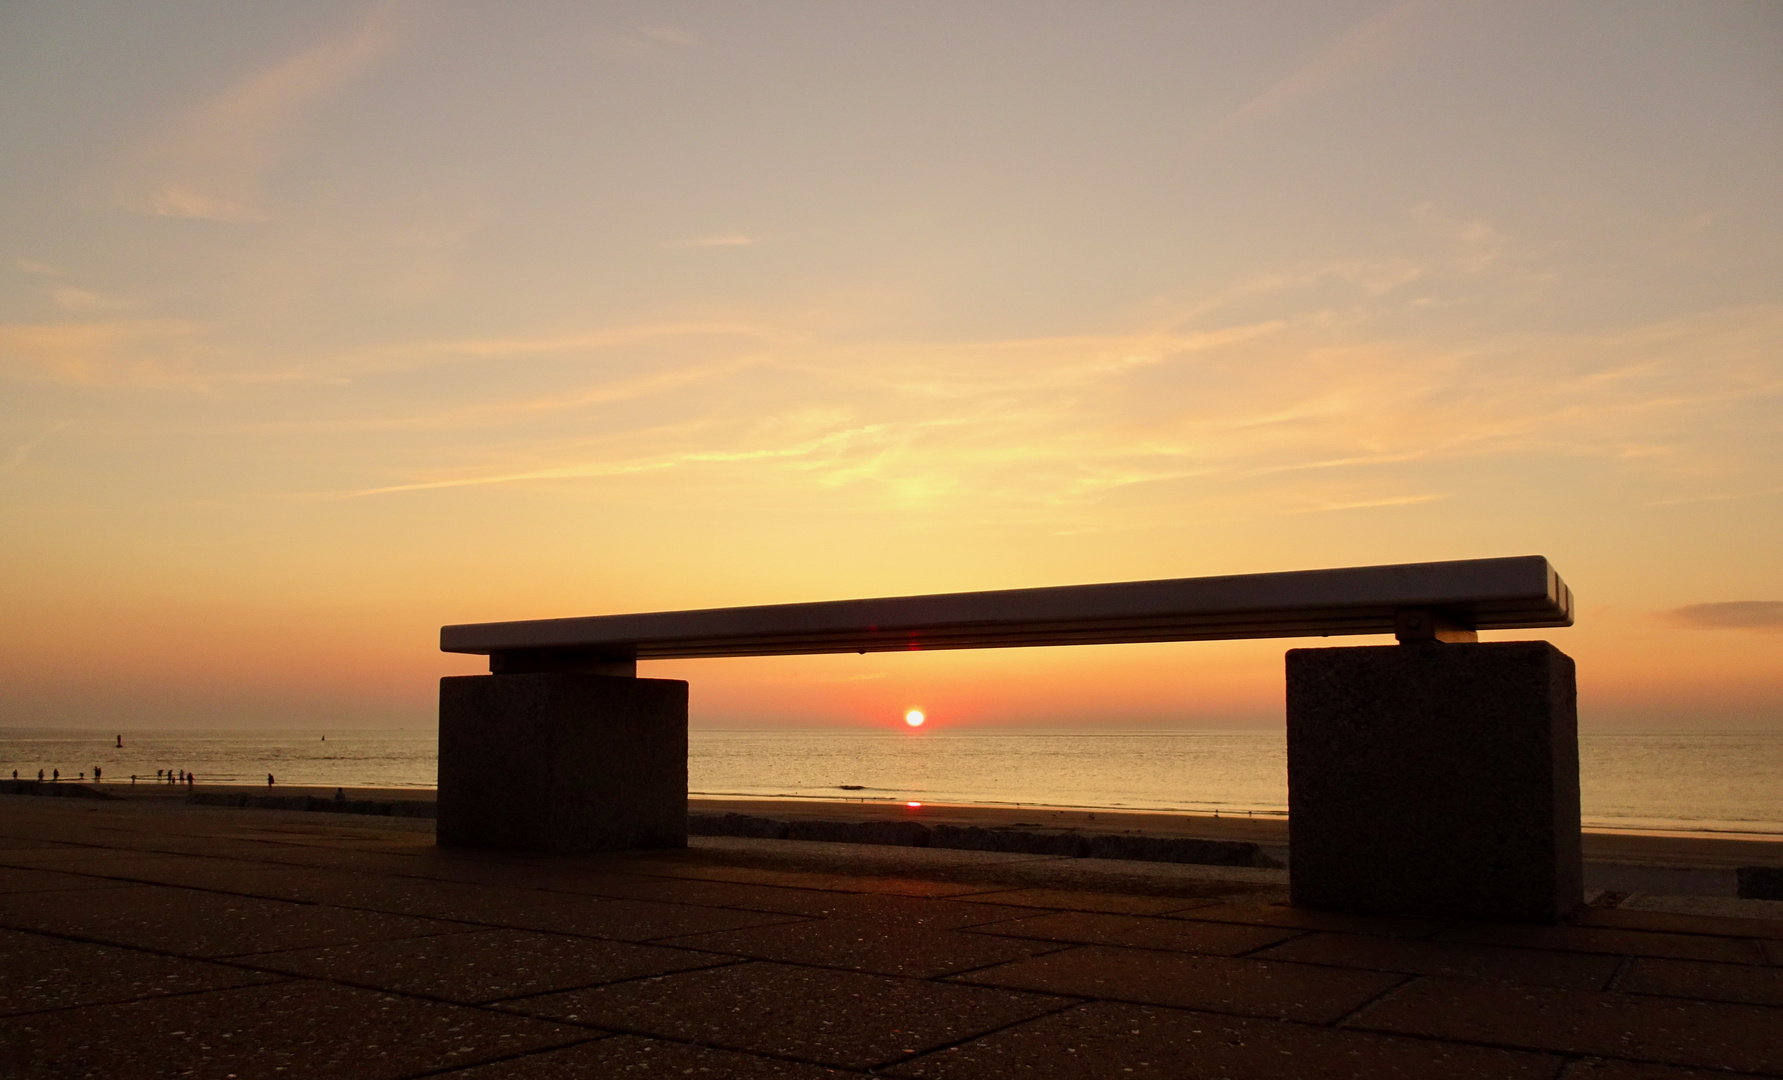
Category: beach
<point>1621,861</point>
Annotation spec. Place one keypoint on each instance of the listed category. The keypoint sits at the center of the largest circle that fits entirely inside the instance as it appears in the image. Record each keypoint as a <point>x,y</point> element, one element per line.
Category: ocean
<point>1684,782</point>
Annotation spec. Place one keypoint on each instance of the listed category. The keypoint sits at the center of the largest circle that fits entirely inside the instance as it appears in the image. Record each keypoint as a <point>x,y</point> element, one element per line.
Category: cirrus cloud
<point>1765,615</point>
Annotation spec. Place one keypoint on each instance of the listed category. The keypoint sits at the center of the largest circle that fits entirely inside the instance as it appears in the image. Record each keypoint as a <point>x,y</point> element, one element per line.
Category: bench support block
<point>561,762</point>
<point>1435,779</point>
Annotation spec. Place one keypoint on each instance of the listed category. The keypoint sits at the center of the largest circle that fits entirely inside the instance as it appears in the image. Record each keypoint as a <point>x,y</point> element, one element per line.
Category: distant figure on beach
<point>340,794</point>
<point>120,742</point>
<point>40,776</point>
<point>15,774</point>
<point>95,774</point>
<point>268,779</point>
<point>55,775</point>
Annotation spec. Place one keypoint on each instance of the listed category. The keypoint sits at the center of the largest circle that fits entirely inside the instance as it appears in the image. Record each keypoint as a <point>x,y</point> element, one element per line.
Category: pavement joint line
<point>617,1029</point>
<point>951,976</point>
<point>1614,983</point>
<point>1060,946</point>
<point>594,1037</point>
<point>1359,1011</point>
<point>1070,1002</point>
<point>237,959</point>
<point>791,920</point>
<point>982,928</point>
<point>483,1005</point>
<point>499,1005</point>
<point>149,997</point>
<point>769,1054</point>
<point>1251,953</point>
<point>1194,952</point>
<point>1525,1048</point>
<point>1571,1066</point>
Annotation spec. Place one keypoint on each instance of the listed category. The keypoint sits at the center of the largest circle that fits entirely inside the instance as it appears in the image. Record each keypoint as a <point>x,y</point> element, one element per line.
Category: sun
<point>914,718</point>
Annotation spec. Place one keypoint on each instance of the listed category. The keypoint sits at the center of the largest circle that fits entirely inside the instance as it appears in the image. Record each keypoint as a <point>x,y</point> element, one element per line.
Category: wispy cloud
<point>72,298</point>
<point>1275,417</point>
<point>209,161</point>
<point>1765,615</point>
<point>22,452</point>
<point>727,240</point>
<point>648,41</point>
<point>1305,391</point>
<point>159,353</point>
<point>1369,44</point>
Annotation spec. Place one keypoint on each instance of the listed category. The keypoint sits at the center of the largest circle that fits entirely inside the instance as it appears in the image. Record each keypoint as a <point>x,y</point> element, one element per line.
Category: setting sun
<point>914,718</point>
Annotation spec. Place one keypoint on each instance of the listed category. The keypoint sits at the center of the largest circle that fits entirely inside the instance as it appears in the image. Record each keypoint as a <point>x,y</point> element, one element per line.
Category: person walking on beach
<point>95,774</point>
<point>55,775</point>
<point>268,779</point>
<point>40,776</point>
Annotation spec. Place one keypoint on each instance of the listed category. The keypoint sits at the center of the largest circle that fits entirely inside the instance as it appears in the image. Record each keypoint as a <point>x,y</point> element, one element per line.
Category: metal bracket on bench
<point>564,661</point>
<point>1413,626</point>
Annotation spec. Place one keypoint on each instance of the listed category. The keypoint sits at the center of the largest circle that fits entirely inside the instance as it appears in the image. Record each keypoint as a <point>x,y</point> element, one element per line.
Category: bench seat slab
<point>563,763</point>
<point>1435,780</point>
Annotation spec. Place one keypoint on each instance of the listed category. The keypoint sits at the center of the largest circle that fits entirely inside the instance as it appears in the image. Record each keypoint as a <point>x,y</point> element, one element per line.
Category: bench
<point>1437,776</point>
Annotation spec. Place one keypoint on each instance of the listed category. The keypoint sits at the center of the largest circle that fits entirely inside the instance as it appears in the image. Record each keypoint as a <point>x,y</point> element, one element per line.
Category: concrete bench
<point>1437,776</point>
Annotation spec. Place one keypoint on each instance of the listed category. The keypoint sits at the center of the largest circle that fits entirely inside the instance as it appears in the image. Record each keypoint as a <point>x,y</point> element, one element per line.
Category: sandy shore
<point>1622,847</point>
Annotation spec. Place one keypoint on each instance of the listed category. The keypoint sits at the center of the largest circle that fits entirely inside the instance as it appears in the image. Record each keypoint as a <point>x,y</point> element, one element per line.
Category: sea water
<point>1689,782</point>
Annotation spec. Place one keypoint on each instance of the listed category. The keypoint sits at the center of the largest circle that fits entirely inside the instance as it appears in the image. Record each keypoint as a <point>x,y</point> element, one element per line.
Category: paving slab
<point>1681,922</point>
<point>863,945</point>
<point>1614,941</point>
<point>1605,1069</point>
<point>1280,914</point>
<point>810,879</point>
<point>1084,900</point>
<point>1708,982</point>
<point>189,922</point>
<point>24,843</point>
<point>1626,1026</point>
<point>161,869</point>
<point>827,1017</point>
<point>289,1029</point>
<point>633,1055</point>
<point>1764,915</point>
<point>941,914</point>
<point>1137,931</point>
<point>1300,992</point>
<point>72,859</point>
<point>631,920</point>
<point>39,973</point>
<point>1573,971</point>
<point>14,880</point>
<point>1107,1041</point>
<point>484,966</point>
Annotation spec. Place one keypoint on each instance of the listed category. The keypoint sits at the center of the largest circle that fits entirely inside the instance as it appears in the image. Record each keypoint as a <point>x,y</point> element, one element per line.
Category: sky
<point>323,325</point>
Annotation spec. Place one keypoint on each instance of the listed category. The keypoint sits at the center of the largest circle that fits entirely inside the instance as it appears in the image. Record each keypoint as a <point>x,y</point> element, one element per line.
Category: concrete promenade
<point>151,938</point>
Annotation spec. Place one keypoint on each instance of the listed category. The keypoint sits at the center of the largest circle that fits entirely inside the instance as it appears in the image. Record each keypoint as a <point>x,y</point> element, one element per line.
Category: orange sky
<point>321,327</point>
